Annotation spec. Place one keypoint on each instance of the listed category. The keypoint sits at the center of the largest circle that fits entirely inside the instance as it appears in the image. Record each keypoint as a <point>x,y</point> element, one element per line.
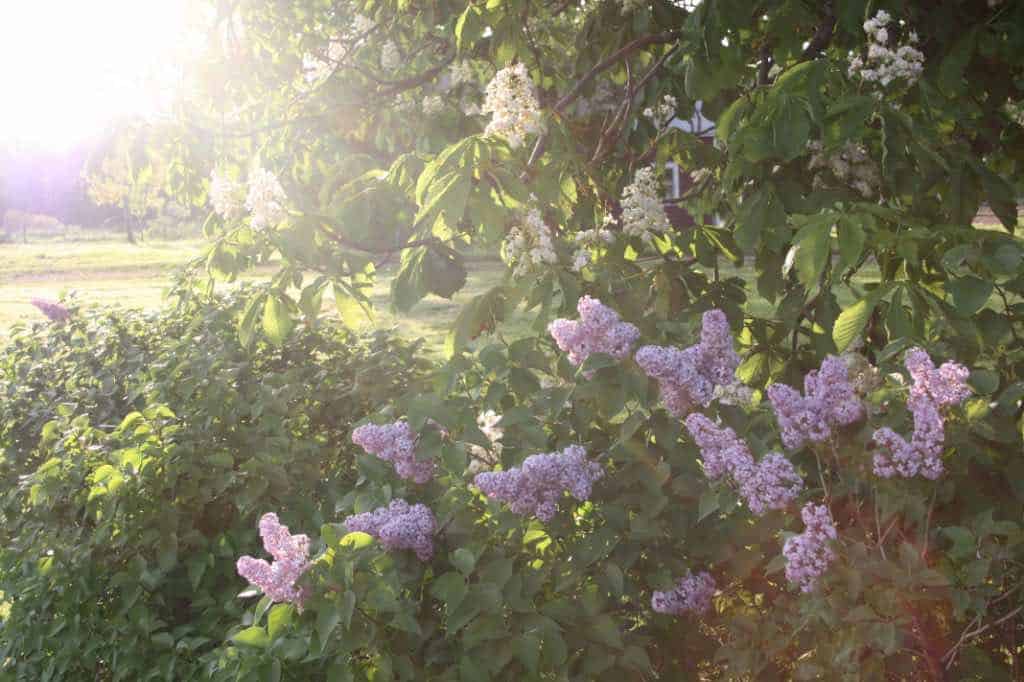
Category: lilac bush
<point>829,402</point>
<point>809,554</point>
<point>599,330</point>
<point>291,559</point>
<point>693,593</point>
<point>399,526</point>
<point>771,483</point>
<point>395,443</point>
<point>687,378</point>
<point>536,487</point>
<point>933,389</point>
<point>53,310</point>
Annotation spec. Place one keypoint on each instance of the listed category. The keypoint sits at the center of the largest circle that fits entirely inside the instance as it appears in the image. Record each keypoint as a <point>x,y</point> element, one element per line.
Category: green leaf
<point>813,242</point>
<point>527,651</point>
<point>708,504</point>
<point>450,588</point>
<point>277,319</point>
<point>851,241</point>
<point>247,323</point>
<point>353,313</point>
<point>970,294</point>
<point>252,636</point>
<point>327,618</point>
<point>463,560</point>
<point>605,630</point>
<point>356,540</point>
<point>468,28</point>
<point>851,321</point>
<point>279,619</point>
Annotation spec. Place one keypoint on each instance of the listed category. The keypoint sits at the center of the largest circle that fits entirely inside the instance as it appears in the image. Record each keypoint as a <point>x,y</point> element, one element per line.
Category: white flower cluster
<point>700,175</point>
<point>850,164</point>
<point>643,214</point>
<point>662,114</point>
<point>1015,110</point>
<point>225,195</point>
<point>390,58</point>
<point>432,105</point>
<point>265,200</point>
<point>318,69</point>
<point>321,66</point>
<point>361,25</point>
<point>883,64</point>
<point>735,394</point>
<point>460,72</point>
<point>530,244</point>
<point>512,103</point>
<point>589,240</point>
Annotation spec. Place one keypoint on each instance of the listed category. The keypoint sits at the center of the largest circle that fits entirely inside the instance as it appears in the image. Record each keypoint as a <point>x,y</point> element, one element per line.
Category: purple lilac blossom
<point>932,390</point>
<point>693,593</point>
<point>395,443</point>
<point>943,386</point>
<point>809,554</point>
<point>55,311</point>
<point>536,487</point>
<point>599,330</point>
<point>721,450</point>
<point>291,559</point>
<point>687,378</point>
<point>399,526</point>
<point>772,483</point>
<point>829,401</point>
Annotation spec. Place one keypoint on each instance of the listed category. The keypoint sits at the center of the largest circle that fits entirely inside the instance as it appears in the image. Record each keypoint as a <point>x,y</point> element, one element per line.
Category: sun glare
<point>70,68</point>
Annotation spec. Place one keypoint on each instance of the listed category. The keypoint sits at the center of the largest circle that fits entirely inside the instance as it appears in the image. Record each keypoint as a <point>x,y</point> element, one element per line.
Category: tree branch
<point>823,36</point>
<point>569,97</point>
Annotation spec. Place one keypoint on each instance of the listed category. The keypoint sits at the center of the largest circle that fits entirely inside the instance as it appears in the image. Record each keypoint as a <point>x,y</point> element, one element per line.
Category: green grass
<point>115,272</point>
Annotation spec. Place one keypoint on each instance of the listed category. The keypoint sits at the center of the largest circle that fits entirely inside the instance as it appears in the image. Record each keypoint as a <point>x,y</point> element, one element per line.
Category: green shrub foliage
<point>835,202</point>
<point>139,450</point>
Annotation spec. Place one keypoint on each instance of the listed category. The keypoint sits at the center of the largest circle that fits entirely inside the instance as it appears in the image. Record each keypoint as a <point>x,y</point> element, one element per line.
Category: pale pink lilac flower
<point>599,330</point>
<point>771,483</point>
<point>399,526</point>
<point>53,310</point>
<point>687,378</point>
<point>536,487</point>
<point>809,554</point>
<point>933,389</point>
<point>291,559</point>
<point>693,593</point>
<point>829,402</point>
<point>395,443</point>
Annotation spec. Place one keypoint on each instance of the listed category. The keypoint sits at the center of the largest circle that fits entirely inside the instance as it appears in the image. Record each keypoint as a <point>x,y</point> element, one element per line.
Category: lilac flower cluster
<point>291,559</point>
<point>399,526</point>
<point>933,389</point>
<point>772,483</point>
<point>599,330</point>
<point>395,443</point>
<point>809,554</point>
<point>693,593</point>
<point>55,311</point>
<point>829,401</point>
<point>687,378</point>
<point>536,487</point>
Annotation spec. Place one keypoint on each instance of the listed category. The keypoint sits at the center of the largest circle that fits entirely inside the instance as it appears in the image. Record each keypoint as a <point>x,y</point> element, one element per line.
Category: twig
<point>620,54</point>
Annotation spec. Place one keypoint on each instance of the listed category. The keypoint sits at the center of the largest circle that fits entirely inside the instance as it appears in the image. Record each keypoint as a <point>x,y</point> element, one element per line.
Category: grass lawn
<point>138,276</point>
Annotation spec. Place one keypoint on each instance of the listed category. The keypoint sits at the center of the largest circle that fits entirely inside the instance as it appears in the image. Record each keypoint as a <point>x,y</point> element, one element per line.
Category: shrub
<point>139,450</point>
